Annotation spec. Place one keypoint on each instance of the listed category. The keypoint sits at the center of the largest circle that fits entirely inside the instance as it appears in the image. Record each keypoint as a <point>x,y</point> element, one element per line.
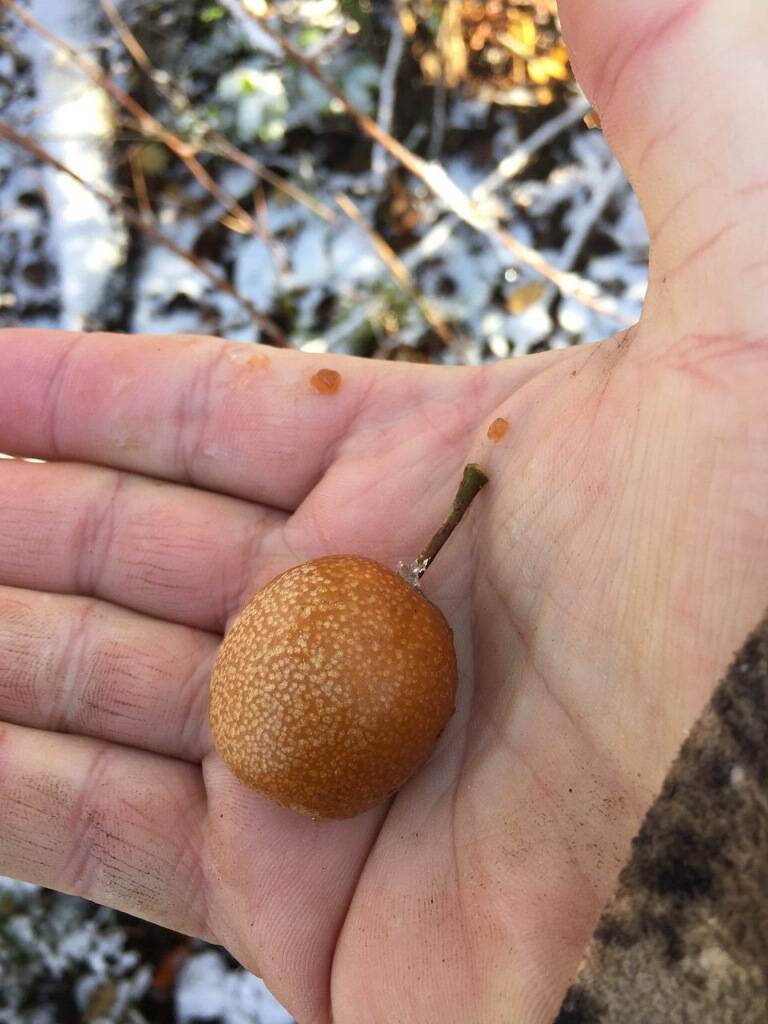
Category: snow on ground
<point>76,118</point>
<point>46,937</point>
<point>56,948</point>
<point>322,278</point>
<point>29,287</point>
<point>208,991</point>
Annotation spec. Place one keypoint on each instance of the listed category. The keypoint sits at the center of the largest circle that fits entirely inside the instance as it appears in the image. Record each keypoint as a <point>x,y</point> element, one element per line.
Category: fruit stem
<point>472,482</point>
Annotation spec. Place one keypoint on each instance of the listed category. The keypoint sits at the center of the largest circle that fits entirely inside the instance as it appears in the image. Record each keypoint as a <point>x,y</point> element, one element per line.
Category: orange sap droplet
<point>498,429</point>
<point>326,382</point>
<point>258,362</point>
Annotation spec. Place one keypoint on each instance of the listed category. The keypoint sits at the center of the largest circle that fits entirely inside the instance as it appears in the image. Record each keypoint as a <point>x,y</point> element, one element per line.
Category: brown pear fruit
<point>336,679</point>
<point>332,686</point>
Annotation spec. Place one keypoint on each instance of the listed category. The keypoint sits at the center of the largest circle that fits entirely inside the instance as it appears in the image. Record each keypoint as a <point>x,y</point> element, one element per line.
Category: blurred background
<point>397,179</point>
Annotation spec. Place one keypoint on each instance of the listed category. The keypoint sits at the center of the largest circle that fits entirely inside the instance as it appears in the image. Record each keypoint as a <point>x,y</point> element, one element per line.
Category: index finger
<point>245,420</point>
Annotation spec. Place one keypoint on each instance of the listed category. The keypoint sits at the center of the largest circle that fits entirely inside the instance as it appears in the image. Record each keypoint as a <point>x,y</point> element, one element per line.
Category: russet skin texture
<point>332,687</point>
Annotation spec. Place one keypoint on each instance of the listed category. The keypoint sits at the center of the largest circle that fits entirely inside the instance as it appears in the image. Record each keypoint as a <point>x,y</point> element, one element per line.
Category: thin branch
<point>602,194</point>
<point>387,92</point>
<point>472,482</point>
<point>244,14</point>
<point>439,119</point>
<point>397,269</point>
<point>521,156</point>
<point>149,229</point>
<point>127,38</point>
<point>213,141</point>
<point>331,40</point>
<point>436,179</point>
<point>184,151</point>
<point>584,291</point>
<point>440,232</point>
<point>219,145</point>
<point>606,186</point>
<point>139,180</point>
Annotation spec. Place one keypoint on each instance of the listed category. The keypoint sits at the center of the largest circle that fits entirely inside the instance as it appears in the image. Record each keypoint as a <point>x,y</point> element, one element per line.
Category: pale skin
<point>597,588</point>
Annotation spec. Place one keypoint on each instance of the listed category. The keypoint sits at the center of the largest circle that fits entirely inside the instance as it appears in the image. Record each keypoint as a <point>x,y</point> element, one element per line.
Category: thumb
<point>681,87</point>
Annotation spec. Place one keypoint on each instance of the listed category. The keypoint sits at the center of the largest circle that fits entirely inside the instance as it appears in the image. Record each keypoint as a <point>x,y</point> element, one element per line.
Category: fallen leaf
<point>525,296</point>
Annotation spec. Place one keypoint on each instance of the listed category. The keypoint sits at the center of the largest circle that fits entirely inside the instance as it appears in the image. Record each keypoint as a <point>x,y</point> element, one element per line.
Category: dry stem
<point>397,269</point>
<point>472,482</point>
<point>147,122</point>
<point>435,177</point>
<point>215,142</point>
<point>387,89</point>
<point>139,180</point>
<point>148,228</point>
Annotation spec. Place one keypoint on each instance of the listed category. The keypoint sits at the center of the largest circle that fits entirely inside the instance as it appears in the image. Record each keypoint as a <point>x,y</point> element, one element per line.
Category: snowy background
<point>231,194</point>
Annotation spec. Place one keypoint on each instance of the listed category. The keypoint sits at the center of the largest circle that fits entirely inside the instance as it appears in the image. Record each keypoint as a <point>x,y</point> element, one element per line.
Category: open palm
<point>596,592</point>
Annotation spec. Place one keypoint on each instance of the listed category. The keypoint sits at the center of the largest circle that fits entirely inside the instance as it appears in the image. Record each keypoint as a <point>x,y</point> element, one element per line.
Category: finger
<point>117,826</point>
<point>239,419</point>
<point>76,665</point>
<point>682,89</point>
<point>274,868</point>
<point>161,549</point>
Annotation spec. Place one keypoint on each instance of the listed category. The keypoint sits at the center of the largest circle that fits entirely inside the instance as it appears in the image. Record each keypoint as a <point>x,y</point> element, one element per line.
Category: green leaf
<point>213,12</point>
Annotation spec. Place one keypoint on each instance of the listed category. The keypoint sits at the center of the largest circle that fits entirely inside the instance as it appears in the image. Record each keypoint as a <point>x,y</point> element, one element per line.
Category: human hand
<point>596,590</point>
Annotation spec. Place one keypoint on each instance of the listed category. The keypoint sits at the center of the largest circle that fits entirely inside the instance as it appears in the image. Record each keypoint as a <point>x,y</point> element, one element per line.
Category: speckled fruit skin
<point>332,686</point>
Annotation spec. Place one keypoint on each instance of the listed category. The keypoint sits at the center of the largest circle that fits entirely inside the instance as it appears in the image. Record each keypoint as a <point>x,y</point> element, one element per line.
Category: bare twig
<point>245,14</point>
<point>509,167</point>
<point>149,229</point>
<point>221,146</point>
<point>397,269</point>
<point>387,92</point>
<point>331,40</point>
<point>139,180</point>
<point>602,194</point>
<point>148,123</point>
<point>128,39</point>
<point>472,482</point>
<point>436,179</point>
<point>585,292</point>
<point>439,119</point>
<point>521,156</point>
<point>212,141</point>
<point>439,233</point>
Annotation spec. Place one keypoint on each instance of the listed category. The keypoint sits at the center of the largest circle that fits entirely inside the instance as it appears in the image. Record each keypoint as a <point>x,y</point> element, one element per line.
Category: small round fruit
<point>332,686</point>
